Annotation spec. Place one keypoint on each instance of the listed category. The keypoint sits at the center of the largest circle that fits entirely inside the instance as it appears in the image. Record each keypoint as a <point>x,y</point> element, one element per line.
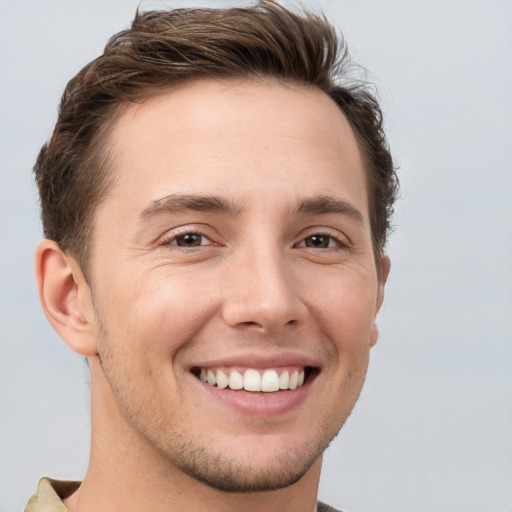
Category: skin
<point>268,278</point>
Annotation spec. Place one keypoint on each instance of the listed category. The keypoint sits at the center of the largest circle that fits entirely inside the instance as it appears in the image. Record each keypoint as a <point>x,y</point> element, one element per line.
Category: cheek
<point>345,308</point>
<point>154,317</point>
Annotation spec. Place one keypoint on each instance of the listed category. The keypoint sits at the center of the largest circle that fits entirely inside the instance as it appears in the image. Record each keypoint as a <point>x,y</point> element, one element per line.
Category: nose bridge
<point>262,293</point>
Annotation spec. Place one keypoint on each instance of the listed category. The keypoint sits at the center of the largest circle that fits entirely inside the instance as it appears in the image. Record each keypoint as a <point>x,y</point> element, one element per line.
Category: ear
<point>385,266</point>
<point>65,297</point>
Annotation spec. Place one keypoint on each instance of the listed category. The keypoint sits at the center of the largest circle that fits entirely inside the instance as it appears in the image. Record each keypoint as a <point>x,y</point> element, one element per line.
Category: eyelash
<point>334,242</point>
<point>173,240</point>
<point>337,242</point>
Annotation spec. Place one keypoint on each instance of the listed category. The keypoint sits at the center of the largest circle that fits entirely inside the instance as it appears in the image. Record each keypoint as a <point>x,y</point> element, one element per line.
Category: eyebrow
<point>192,202</point>
<point>184,202</point>
<point>328,204</point>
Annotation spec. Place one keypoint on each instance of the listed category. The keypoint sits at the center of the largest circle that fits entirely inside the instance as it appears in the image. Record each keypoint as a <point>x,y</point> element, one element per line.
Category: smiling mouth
<point>255,380</point>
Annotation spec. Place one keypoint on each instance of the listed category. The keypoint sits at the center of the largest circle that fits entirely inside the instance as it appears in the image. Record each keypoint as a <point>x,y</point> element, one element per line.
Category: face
<point>234,282</point>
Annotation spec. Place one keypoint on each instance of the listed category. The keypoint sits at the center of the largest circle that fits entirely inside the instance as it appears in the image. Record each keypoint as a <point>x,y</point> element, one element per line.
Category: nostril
<point>250,325</point>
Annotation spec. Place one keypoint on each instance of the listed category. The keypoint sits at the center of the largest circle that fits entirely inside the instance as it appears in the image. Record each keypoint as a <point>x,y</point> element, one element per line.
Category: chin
<point>236,475</point>
<point>250,464</point>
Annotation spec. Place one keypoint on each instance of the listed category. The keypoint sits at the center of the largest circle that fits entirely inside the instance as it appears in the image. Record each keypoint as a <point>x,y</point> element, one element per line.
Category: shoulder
<point>50,494</point>
<point>322,507</point>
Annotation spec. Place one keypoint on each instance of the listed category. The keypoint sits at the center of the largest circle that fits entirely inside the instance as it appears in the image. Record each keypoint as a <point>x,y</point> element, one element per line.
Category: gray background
<point>433,428</point>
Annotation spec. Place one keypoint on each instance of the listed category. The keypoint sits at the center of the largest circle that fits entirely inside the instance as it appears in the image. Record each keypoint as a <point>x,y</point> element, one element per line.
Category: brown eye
<point>189,240</point>
<point>319,241</point>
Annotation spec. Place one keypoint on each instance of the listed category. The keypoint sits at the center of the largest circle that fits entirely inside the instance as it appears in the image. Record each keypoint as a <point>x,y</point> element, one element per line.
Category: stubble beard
<point>232,475</point>
<point>193,456</point>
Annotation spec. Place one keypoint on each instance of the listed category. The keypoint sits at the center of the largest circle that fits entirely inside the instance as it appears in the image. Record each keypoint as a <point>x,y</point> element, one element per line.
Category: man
<point>215,206</point>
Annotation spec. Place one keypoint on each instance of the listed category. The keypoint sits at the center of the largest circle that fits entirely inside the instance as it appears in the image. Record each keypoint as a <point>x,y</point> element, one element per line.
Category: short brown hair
<point>164,48</point>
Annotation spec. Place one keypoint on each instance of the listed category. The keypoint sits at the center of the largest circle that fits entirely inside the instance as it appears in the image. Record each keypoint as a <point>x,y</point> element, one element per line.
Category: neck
<point>114,484</point>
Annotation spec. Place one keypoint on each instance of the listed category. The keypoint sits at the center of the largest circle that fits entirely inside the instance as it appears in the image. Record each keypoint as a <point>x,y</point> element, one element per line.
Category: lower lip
<point>258,404</point>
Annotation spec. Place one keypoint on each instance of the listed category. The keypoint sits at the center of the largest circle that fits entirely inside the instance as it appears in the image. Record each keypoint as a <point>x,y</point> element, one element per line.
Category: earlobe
<point>385,267</point>
<point>374,335</point>
<point>65,297</point>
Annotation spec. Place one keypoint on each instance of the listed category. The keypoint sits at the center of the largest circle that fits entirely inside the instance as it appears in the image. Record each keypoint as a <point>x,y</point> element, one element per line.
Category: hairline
<point>104,155</point>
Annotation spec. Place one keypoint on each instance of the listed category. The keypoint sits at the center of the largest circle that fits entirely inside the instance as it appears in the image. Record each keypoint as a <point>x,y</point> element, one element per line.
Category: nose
<point>261,293</point>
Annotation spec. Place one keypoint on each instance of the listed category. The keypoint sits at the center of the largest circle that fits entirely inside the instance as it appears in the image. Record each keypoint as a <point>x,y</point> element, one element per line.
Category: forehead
<point>232,136</point>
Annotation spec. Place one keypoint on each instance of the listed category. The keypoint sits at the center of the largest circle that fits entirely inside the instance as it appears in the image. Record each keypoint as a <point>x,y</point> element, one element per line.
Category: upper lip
<point>258,361</point>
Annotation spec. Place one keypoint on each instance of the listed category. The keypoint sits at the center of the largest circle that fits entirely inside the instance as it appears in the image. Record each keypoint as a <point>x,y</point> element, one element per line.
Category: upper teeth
<point>253,380</point>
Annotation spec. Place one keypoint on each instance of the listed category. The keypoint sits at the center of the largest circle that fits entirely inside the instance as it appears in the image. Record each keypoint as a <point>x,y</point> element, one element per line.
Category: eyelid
<point>173,234</point>
<point>339,237</point>
<point>174,240</point>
